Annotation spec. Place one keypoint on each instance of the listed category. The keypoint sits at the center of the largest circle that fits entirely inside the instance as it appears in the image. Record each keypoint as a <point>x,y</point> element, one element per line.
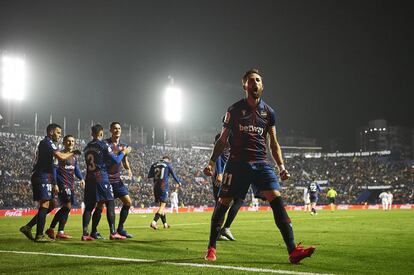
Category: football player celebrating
<point>247,125</point>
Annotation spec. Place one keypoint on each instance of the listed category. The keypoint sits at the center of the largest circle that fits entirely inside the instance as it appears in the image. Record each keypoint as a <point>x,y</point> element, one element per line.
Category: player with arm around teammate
<point>248,122</point>
<point>44,182</point>
<point>98,190</point>
<point>160,172</point>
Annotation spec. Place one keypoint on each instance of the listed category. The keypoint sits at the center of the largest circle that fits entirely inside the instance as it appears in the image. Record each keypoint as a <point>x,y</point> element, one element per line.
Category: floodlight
<point>13,77</point>
<point>173,104</point>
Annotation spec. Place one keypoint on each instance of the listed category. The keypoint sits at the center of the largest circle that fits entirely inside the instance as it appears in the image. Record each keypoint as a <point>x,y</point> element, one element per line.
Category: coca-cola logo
<point>13,213</point>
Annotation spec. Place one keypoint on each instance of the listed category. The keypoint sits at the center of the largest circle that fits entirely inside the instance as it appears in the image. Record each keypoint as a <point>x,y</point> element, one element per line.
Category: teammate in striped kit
<point>65,174</point>
<point>114,171</point>
<point>98,190</point>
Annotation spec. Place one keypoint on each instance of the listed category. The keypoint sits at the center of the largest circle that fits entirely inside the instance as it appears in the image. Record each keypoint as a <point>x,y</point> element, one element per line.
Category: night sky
<point>328,66</point>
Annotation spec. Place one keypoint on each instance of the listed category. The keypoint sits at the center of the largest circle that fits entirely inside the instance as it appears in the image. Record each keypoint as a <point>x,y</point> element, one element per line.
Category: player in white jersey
<point>174,201</point>
<point>384,199</point>
<point>306,200</point>
<point>390,197</point>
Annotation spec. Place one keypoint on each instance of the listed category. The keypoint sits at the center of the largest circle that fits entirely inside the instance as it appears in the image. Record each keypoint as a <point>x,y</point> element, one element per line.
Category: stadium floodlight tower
<point>12,83</point>
<point>13,77</point>
<point>172,103</point>
<point>172,108</point>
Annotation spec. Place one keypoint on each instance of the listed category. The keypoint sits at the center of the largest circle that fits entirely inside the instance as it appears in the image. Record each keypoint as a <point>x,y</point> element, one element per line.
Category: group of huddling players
<point>102,185</point>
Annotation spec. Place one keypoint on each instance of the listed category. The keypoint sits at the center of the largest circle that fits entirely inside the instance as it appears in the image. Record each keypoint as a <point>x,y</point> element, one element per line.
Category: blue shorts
<point>66,195</point>
<point>161,192</point>
<point>119,189</point>
<point>97,192</point>
<point>42,187</point>
<point>238,177</point>
<point>313,198</point>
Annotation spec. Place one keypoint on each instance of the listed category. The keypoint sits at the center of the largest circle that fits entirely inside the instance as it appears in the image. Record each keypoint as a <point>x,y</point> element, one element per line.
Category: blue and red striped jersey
<point>66,172</point>
<point>97,155</point>
<point>248,130</point>
<point>114,168</point>
<point>44,159</point>
<point>160,171</point>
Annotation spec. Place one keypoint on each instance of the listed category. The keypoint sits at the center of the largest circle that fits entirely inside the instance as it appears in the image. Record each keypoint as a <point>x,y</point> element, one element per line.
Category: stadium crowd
<point>349,176</point>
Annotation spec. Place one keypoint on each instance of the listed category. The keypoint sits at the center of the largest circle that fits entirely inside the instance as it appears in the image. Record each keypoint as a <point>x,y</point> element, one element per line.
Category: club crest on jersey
<point>243,112</point>
<point>251,129</point>
<point>263,114</point>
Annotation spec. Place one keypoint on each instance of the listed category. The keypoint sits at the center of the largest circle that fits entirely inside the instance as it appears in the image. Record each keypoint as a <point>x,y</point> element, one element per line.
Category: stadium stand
<point>356,178</point>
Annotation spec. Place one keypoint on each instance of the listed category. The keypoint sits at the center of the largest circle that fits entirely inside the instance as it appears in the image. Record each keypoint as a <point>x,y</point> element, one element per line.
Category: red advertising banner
<point>78,211</point>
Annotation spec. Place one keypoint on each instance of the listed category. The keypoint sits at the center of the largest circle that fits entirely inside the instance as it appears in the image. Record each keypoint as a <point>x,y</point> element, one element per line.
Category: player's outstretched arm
<point>63,155</point>
<point>174,176</point>
<point>217,151</point>
<point>118,157</point>
<point>276,152</point>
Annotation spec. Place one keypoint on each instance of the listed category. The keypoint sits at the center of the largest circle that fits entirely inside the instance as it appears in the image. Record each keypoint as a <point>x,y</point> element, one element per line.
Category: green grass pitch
<point>347,242</point>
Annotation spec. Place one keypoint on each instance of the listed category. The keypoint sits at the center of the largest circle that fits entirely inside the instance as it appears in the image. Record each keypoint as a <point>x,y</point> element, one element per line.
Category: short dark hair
<point>96,129</point>
<point>249,72</point>
<point>166,157</point>
<point>65,138</point>
<point>52,127</point>
<point>114,123</point>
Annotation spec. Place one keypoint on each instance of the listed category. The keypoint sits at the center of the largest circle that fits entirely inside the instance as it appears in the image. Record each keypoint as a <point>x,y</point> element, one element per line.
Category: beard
<point>256,92</point>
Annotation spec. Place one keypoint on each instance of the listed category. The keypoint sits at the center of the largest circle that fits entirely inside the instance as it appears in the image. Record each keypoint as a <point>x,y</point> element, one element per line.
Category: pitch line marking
<point>239,268</point>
